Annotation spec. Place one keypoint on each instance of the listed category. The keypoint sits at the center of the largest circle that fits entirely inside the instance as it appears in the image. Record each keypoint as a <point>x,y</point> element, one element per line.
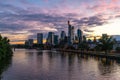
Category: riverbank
<point>94,53</point>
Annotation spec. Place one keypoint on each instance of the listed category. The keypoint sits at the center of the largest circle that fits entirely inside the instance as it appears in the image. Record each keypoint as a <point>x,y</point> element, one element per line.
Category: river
<point>52,65</point>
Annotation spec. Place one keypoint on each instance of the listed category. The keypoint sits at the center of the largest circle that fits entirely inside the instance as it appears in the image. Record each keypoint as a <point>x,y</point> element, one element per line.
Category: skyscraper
<point>79,35</point>
<point>70,33</point>
<point>30,42</point>
<point>50,38</point>
<point>69,29</point>
<point>55,39</point>
<point>26,43</point>
<point>63,34</point>
<point>39,38</point>
<point>84,39</point>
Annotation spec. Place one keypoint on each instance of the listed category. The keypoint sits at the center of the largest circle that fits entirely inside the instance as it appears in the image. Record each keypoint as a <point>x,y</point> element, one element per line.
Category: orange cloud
<point>23,42</point>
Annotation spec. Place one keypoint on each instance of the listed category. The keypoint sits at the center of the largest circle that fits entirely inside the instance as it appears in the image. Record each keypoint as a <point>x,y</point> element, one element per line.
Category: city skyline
<point>23,19</point>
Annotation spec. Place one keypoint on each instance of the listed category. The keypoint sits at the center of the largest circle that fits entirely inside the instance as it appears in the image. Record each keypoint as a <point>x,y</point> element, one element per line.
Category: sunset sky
<point>23,19</point>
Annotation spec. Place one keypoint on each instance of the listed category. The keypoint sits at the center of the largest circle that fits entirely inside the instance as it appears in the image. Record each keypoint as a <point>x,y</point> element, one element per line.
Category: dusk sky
<point>23,19</point>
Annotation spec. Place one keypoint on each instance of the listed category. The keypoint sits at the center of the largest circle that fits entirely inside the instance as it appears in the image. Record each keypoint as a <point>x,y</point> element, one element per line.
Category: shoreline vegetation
<point>5,48</point>
<point>93,53</point>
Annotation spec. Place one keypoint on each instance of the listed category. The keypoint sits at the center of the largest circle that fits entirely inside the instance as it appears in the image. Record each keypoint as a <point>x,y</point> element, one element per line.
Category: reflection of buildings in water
<point>71,58</point>
<point>29,56</point>
<point>79,58</point>
<point>106,66</point>
<point>97,58</point>
<point>50,56</point>
<point>118,61</point>
<point>39,53</point>
<point>72,64</point>
<point>83,56</point>
<point>4,64</point>
<point>38,61</point>
<point>49,61</point>
<point>106,61</point>
<point>63,57</point>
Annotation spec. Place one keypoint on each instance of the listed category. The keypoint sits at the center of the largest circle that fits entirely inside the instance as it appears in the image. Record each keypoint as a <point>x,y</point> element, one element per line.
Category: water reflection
<point>53,65</point>
<point>106,66</point>
<point>4,64</point>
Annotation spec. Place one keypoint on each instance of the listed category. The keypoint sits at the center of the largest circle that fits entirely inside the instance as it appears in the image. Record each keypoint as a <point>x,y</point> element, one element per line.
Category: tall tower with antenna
<point>70,33</point>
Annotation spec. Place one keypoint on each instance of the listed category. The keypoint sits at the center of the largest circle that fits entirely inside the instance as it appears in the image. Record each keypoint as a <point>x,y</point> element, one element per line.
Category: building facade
<point>79,35</point>
<point>50,38</point>
<point>56,41</point>
<point>39,38</point>
<point>30,42</point>
<point>70,33</point>
<point>63,35</point>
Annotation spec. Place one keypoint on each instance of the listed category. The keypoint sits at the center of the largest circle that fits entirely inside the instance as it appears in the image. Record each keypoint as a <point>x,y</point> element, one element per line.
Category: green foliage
<point>83,46</point>
<point>40,46</point>
<point>105,43</point>
<point>118,49</point>
<point>5,48</point>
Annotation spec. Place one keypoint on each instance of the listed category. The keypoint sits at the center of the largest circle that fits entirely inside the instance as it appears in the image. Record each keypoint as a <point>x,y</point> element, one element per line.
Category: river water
<point>53,65</point>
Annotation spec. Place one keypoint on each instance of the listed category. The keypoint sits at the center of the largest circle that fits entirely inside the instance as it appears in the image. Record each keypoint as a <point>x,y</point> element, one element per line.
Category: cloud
<point>41,22</point>
<point>24,17</point>
<point>91,21</point>
<point>89,31</point>
<point>106,6</point>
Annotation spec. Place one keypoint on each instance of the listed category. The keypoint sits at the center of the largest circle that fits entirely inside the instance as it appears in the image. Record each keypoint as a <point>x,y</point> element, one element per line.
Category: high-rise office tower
<point>70,33</point>
<point>94,40</point>
<point>50,38</point>
<point>26,43</point>
<point>63,34</point>
<point>39,38</point>
<point>69,29</point>
<point>30,42</point>
<point>84,39</point>
<point>55,39</point>
<point>79,35</point>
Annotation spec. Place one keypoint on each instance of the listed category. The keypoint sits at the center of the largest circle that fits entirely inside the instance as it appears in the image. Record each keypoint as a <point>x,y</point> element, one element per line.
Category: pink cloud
<point>103,6</point>
<point>115,0</point>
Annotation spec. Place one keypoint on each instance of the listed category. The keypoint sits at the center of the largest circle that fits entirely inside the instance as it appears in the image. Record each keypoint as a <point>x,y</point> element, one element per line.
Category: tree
<point>84,44</point>
<point>5,48</point>
<point>105,43</point>
<point>118,49</point>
